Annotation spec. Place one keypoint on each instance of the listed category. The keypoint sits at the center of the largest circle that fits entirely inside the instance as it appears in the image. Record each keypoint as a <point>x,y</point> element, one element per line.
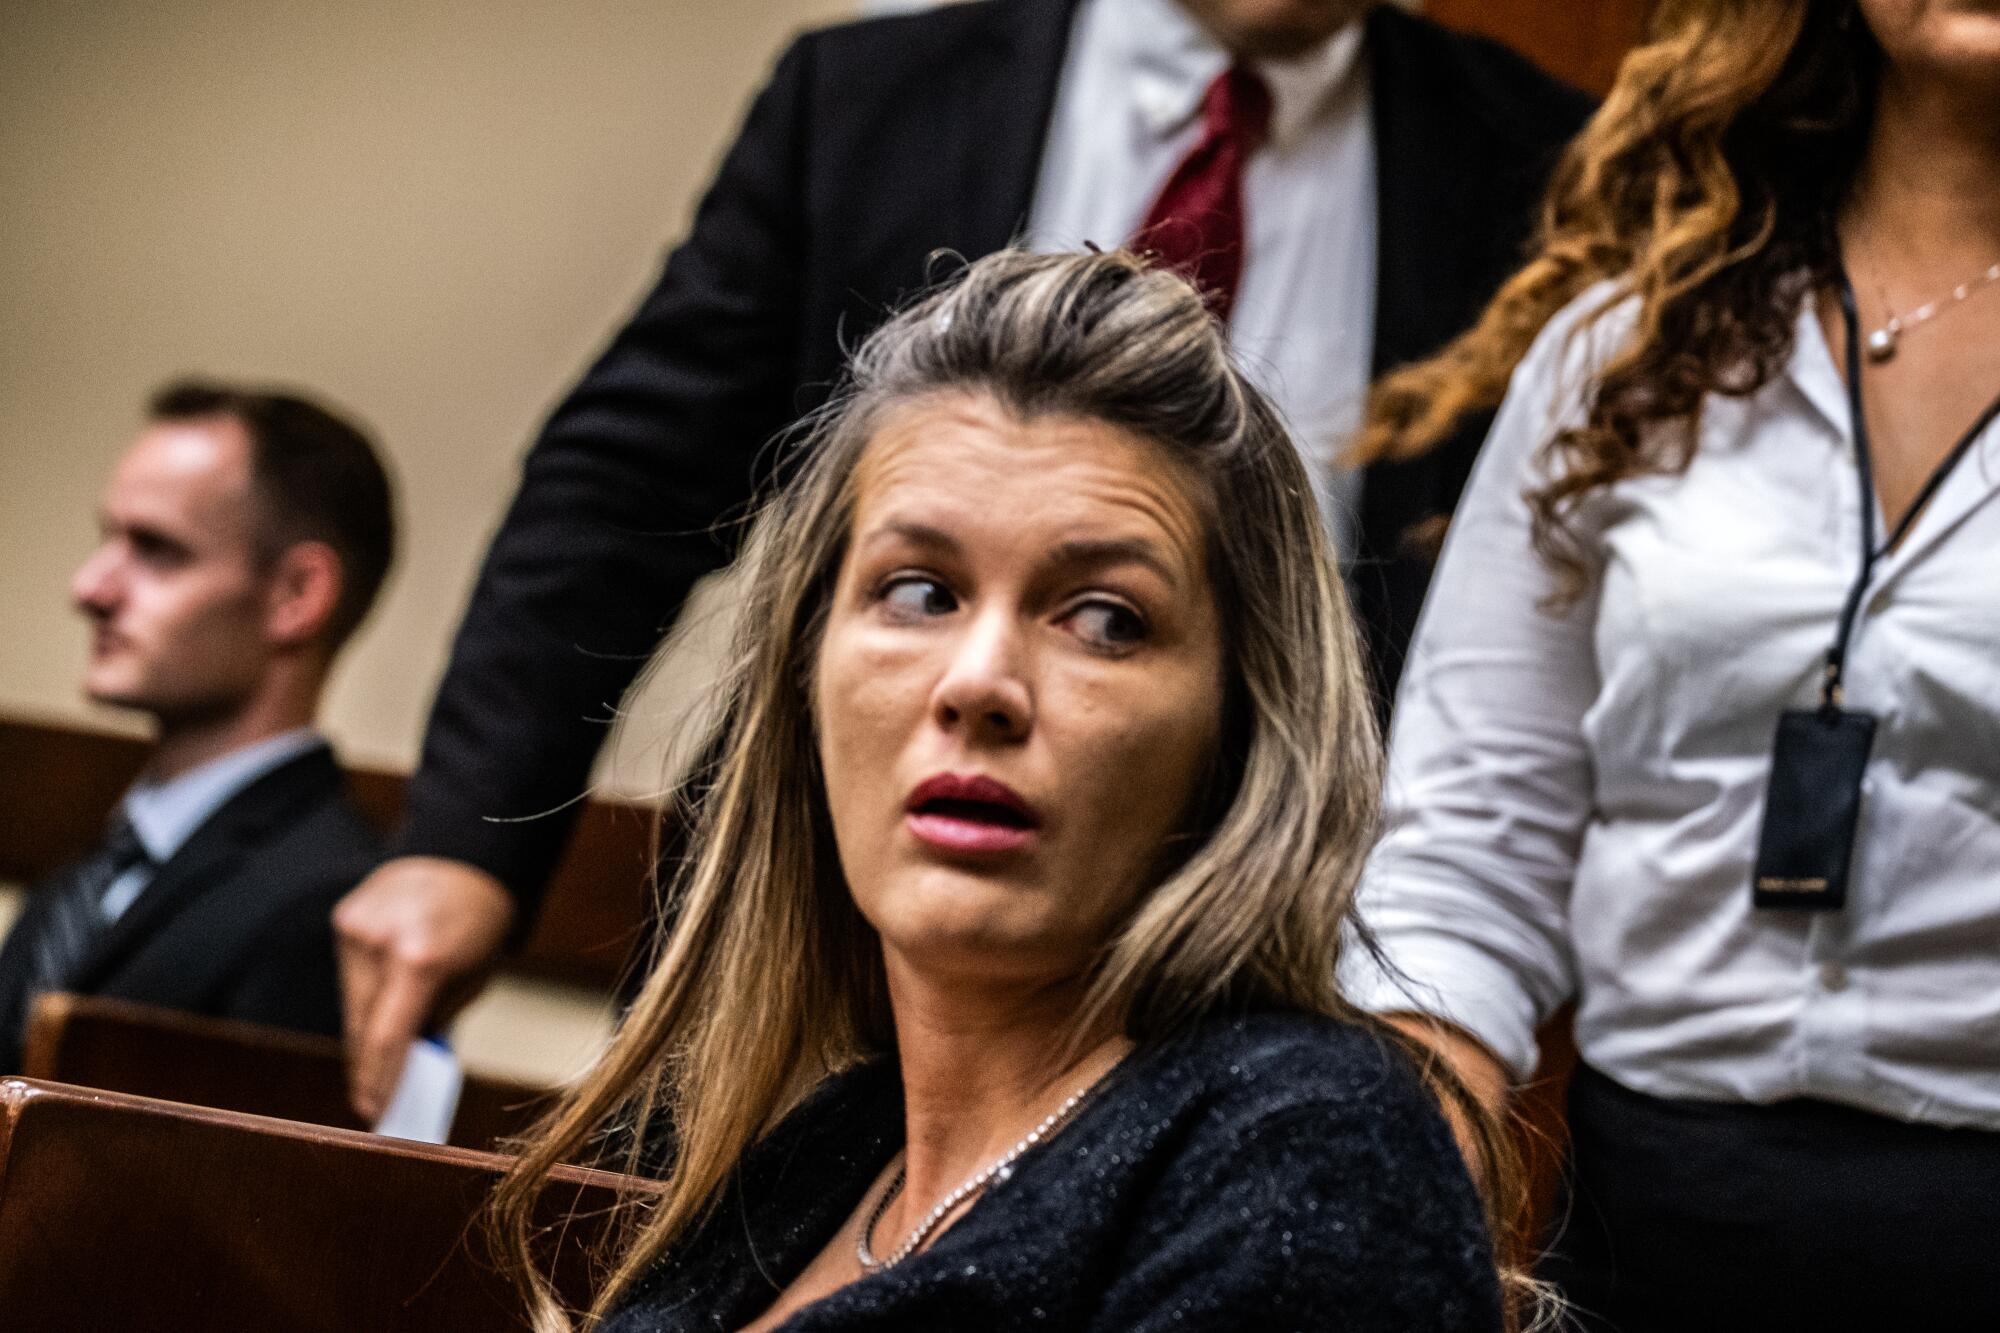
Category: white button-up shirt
<point>1574,800</point>
<point>1128,109</point>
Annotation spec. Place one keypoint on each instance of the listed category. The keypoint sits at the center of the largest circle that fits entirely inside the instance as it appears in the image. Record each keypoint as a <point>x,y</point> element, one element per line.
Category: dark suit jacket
<point>875,145</point>
<point>237,923</point>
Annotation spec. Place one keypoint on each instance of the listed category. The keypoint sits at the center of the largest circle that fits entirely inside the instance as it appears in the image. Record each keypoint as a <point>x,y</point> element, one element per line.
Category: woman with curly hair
<point>1702,724</point>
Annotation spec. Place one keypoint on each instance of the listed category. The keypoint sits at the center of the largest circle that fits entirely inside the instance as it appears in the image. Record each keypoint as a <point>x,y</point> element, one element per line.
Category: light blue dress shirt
<point>165,815</point>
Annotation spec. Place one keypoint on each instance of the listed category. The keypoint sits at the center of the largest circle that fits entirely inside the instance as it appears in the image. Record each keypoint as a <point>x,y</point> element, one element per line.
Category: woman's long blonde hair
<point>1705,187</point>
<point>767,978</point>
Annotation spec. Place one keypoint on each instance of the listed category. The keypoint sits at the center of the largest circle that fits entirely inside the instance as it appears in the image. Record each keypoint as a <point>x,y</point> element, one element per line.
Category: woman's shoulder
<point>1297,1165</point>
<point>1271,1062</point>
<point>1579,340</point>
<point>1549,390</point>
<point>1300,1092</point>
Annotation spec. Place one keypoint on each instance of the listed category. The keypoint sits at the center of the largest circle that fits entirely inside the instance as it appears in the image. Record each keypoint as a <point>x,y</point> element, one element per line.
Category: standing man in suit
<point>244,537</point>
<point>1372,177</point>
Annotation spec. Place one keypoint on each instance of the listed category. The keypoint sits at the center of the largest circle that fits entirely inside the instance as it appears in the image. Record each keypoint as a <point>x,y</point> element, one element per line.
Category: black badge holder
<point>1820,755</point>
<point>1811,808</point>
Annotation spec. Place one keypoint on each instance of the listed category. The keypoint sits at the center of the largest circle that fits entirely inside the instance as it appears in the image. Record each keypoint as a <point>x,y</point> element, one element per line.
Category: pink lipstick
<point>970,815</point>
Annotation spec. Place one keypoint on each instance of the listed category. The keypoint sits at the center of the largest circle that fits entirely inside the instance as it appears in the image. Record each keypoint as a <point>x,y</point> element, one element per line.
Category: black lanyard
<point>1819,756</point>
<point>1836,656</point>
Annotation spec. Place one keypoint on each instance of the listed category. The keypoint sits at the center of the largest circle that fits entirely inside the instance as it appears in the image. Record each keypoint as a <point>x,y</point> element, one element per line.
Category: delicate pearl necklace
<point>1882,341</point>
<point>1000,1169</point>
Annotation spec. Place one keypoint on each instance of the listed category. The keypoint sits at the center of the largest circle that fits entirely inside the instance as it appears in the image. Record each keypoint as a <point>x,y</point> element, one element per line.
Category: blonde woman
<point>999,992</point>
<point>1702,727</point>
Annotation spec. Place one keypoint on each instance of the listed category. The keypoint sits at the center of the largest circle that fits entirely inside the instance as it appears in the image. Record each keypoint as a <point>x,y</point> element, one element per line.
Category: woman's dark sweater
<point>1270,1173</point>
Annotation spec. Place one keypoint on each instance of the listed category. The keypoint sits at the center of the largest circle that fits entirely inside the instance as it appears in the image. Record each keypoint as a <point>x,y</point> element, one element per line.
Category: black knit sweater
<point>1272,1173</point>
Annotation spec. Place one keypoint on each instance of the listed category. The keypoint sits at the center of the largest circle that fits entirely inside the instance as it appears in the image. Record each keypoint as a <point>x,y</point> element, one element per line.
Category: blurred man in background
<point>244,536</point>
<point>1350,182</point>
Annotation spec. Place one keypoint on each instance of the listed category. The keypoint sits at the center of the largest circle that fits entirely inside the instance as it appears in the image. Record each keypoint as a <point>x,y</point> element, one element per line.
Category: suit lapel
<point>999,138</point>
<point>210,854</point>
<point>1419,236</point>
<point>1421,157</point>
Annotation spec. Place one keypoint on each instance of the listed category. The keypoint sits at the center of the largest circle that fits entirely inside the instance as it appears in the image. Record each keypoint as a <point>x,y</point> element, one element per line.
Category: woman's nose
<point>984,691</point>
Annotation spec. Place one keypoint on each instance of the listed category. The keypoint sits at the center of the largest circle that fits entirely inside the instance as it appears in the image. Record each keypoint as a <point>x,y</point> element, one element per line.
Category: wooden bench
<point>121,1212</point>
<point>119,1046</point>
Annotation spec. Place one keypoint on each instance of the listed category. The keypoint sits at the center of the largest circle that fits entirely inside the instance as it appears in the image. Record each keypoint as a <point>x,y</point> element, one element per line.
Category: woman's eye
<point>1108,624</point>
<point>918,598</point>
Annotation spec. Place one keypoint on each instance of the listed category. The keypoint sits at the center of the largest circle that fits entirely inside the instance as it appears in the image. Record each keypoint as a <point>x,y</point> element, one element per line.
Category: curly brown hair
<point>1705,187</point>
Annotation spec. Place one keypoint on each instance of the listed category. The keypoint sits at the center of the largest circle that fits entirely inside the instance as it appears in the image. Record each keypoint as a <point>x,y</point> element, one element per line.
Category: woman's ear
<point>302,594</point>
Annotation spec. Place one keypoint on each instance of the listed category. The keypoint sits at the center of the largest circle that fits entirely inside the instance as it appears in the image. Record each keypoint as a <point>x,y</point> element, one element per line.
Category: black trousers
<point>1709,1217</point>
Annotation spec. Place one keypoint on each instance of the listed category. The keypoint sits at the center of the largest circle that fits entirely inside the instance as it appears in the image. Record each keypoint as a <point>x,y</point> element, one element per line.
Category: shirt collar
<point>166,814</point>
<point>1173,59</point>
<point>1814,368</point>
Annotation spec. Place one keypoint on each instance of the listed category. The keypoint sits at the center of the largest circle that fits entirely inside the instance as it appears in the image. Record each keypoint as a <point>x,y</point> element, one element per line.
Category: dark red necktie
<point>1196,225</point>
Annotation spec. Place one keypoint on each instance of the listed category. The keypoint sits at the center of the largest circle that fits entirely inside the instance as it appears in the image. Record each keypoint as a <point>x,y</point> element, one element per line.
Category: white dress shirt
<point>1128,109</point>
<point>1574,800</point>
<point>165,815</point>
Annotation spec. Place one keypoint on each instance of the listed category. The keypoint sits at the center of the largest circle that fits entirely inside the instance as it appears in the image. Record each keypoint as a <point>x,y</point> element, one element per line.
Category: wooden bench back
<point>120,1212</point>
<point>119,1046</point>
<point>58,783</point>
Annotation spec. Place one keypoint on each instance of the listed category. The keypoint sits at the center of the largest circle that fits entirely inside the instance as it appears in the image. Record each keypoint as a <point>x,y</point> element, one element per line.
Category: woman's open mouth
<point>969,815</point>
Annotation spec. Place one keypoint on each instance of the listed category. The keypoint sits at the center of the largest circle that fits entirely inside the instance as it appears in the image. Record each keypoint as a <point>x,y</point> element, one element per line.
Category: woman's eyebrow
<point>1074,553</point>
<point>915,533</point>
<point>1096,553</point>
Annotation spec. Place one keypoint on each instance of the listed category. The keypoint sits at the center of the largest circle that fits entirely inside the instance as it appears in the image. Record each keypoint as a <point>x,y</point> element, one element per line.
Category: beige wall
<point>431,212</point>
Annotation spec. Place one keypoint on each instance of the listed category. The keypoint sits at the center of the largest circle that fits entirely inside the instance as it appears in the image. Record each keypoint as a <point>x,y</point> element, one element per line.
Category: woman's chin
<point>978,931</point>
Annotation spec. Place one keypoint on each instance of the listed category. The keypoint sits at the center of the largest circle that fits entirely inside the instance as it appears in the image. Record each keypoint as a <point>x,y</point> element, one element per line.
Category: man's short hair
<point>314,477</point>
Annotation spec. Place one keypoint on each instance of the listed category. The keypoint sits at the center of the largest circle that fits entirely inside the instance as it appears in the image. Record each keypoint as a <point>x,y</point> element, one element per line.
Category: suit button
<point>1832,976</point>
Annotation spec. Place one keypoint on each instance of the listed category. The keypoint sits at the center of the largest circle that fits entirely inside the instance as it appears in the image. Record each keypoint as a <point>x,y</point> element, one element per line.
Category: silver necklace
<point>1882,341</point>
<point>998,1170</point>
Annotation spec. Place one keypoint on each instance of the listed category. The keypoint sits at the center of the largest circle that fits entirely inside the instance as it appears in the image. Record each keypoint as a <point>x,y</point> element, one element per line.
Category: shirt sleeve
<point>1316,1216</point>
<point>1490,783</point>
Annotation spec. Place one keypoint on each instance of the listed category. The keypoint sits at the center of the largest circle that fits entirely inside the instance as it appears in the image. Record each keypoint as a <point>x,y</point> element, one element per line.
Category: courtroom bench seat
<point>119,1046</point>
<point>127,1213</point>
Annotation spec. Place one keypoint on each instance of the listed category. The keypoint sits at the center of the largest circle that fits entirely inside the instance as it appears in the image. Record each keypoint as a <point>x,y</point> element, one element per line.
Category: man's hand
<point>416,939</point>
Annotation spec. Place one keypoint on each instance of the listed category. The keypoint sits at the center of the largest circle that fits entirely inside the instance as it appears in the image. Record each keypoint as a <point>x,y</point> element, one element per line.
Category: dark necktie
<point>75,919</point>
<point>1196,225</point>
